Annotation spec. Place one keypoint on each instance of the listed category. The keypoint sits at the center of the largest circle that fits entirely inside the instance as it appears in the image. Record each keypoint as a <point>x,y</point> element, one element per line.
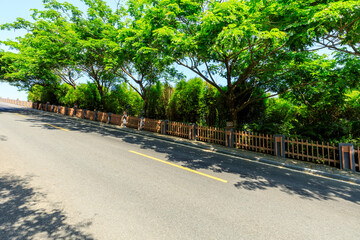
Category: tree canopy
<point>252,59</point>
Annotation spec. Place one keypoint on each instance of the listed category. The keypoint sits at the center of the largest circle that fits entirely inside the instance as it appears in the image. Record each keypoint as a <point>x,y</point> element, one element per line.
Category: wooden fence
<point>56,109</point>
<point>62,110</point>
<point>210,134</point>
<point>312,151</point>
<point>71,112</point>
<point>80,113</point>
<point>133,122</point>
<point>90,115</point>
<point>152,125</point>
<point>263,143</point>
<point>305,150</point>
<point>116,119</point>
<point>102,117</point>
<point>178,129</point>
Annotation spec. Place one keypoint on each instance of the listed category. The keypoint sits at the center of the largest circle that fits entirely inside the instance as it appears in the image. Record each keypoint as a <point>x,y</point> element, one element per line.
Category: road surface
<point>62,178</point>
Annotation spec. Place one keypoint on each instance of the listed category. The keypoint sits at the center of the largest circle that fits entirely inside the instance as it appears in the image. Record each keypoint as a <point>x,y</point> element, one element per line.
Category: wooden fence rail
<point>56,109</point>
<point>178,129</point>
<point>71,112</point>
<point>152,125</point>
<point>305,150</point>
<point>79,113</point>
<point>211,135</point>
<point>133,122</point>
<point>312,151</point>
<point>263,143</point>
<point>102,117</point>
<point>116,119</point>
<point>90,115</point>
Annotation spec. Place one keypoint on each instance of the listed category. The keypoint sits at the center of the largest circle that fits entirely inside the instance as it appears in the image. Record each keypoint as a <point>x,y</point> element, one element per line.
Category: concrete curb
<point>254,159</point>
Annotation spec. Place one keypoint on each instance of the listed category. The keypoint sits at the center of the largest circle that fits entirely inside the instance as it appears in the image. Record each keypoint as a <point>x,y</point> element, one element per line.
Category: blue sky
<point>9,11</point>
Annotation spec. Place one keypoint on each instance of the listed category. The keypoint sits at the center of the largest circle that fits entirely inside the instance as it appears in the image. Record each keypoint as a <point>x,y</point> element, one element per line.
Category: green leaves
<point>245,50</point>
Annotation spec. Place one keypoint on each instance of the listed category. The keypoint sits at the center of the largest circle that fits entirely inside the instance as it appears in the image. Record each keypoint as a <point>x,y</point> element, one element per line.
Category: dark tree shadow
<point>20,218</point>
<point>252,176</point>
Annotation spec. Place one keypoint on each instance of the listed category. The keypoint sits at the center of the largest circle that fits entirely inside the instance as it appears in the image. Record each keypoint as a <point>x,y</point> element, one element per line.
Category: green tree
<point>124,98</point>
<point>71,42</point>
<point>23,70</point>
<point>331,24</point>
<point>185,103</point>
<point>233,41</point>
<point>42,94</point>
<point>142,66</point>
<point>159,98</point>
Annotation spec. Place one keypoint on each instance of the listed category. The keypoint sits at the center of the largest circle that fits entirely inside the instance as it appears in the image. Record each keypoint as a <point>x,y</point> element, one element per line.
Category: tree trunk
<point>146,106</point>
<point>102,99</point>
<point>230,100</point>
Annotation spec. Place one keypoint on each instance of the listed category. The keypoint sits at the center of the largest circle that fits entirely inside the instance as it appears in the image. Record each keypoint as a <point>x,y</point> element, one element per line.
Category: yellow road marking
<point>58,127</point>
<point>20,115</point>
<point>48,124</point>
<point>181,167</point>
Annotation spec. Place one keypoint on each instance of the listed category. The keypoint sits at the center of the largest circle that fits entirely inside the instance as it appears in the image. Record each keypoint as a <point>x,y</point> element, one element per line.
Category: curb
<point>251,158</point>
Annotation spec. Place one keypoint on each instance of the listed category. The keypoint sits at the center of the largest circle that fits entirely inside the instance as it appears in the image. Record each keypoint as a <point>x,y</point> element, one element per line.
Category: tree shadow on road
<point>252,176</point>
<point>21,218</point>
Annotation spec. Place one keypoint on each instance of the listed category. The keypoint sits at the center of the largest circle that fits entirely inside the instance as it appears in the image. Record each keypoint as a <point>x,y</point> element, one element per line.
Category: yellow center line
<point>58,127</point>
<point>181,167</point>
<point>20,115</point>
<point>66,130</point>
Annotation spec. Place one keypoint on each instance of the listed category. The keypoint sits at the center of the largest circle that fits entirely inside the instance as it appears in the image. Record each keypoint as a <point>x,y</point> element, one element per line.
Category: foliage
<point>244,52</point>
<point>159,98</point>
<point>233,41</point>
<point>42,94</point>
<point>124,98</point>
<point>23,71</point>
<point>142,66</point>
<point>68,42</point>
<point>185,103</point>
<point>84,96</point>
<point>332,24</point>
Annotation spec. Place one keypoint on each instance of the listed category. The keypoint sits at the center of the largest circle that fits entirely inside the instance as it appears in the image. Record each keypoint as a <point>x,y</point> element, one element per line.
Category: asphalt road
<point>62,178</point>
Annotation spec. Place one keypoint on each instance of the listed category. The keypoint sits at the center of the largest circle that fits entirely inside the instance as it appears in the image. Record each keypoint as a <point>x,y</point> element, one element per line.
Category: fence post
<point>74,113</point>
<point>347,156</point>
<point>195,127</point>
<point>279,145</point>
<point>191,131</point>
<point>109,118</point>
<point>95,115</point>
<point>229,137</point>
<point>164,127</point>
<point>141,123</point>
